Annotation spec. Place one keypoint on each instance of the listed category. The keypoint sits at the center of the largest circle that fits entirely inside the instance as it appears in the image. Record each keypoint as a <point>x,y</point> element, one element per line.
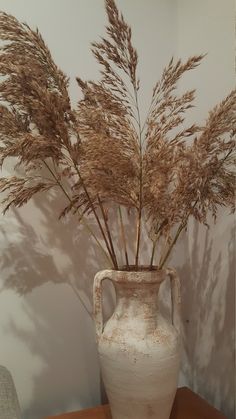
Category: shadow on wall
<point>51,264</point>
<point>57,251</point>
<point>50,252</point>
<point>62,336</point>
<point>208,314</point>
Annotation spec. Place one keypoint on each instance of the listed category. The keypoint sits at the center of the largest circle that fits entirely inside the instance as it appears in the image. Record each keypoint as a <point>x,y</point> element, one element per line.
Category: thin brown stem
<point>153,253</point>
<point>181,227</point>
<point>81,218</point>
<point>95,213</point>
<point>91,205</point>
<point>138,236</point>
<point>158,234</point>
<point>179,230</point>
<point>163,249</point>
<point>108,232</point>
<point>123,237</point>
<point>56,179</point>
<point>139,220</point>
<point>147,117</point>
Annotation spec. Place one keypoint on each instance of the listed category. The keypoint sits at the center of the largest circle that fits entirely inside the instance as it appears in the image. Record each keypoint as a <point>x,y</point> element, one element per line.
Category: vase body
<point>139,350</point>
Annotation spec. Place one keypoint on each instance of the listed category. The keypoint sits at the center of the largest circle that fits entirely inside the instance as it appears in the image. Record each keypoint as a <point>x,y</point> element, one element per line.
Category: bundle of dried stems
<point>100,154</point>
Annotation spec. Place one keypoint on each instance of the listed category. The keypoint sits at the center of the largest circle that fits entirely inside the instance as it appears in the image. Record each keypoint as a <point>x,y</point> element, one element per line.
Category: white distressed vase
<point>139,350</point>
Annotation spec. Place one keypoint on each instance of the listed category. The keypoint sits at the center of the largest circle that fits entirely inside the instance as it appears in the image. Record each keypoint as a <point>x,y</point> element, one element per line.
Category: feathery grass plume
<point>100,154</point>
<point>165,146</point>
<point>38,126</point>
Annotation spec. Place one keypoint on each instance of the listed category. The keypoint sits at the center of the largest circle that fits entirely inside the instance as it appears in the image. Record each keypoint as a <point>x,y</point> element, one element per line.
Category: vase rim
<point>142,275</point>
<point>140,268</point>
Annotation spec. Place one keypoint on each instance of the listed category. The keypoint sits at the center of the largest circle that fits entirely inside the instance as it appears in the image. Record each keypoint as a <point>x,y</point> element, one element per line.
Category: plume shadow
<point>53,255</point>
<point>50,263</point>
<point>49,267</point>
<point>208,290</point>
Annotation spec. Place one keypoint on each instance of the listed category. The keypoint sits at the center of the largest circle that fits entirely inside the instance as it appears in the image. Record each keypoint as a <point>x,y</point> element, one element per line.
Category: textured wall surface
<point>47,267</point>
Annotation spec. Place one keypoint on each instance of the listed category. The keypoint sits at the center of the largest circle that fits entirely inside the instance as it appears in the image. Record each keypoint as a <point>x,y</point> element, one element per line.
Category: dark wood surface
<point>187,405</point>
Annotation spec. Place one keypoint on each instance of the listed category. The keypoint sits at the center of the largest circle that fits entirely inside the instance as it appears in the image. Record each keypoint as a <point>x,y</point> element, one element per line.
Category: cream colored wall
<point>206,258</point>
<point>46,336</point>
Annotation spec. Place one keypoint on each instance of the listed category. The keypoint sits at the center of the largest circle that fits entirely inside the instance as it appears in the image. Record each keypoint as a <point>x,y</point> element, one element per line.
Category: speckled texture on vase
<point>139,350</point>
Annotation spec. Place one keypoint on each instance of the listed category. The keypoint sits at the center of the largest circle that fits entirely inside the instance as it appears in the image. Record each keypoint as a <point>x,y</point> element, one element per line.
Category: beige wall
<point>207,26</point>
<point>46,336</point>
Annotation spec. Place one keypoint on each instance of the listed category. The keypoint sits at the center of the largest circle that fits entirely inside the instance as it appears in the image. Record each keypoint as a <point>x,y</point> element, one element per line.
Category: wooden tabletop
<point>187,405</point>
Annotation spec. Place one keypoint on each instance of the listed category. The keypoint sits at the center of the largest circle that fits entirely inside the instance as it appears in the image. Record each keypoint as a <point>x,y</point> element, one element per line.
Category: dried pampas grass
<point>100,154</point>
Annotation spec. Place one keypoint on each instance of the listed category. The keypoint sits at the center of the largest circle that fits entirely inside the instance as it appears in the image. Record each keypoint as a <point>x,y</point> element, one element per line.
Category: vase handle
<point>97,300</point>
<point>175,298</point>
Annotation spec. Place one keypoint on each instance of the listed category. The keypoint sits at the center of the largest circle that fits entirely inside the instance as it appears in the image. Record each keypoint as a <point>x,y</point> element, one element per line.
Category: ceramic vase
<point>139,350</point>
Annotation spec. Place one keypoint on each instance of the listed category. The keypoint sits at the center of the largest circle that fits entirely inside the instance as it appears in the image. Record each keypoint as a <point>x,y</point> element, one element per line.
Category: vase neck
<point>137,300</point>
